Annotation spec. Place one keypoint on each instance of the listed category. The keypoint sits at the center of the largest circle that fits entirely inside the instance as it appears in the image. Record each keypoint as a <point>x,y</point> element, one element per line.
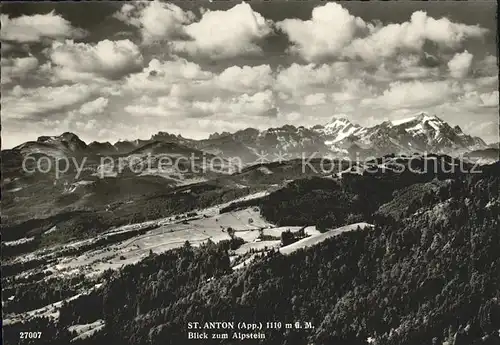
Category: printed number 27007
<point>30,335</point>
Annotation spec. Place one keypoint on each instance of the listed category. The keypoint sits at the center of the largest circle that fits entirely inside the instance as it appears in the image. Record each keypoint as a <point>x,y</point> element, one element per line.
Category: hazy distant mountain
<point>420,133</point>
<point>102,148</point>
<point>485,156</point>
<point>339,129</point>
<point>64,144</point>
<point>338,138</point>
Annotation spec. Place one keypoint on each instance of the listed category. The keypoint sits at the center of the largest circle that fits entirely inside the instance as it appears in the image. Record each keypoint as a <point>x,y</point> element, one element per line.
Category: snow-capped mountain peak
<point>340,128</point>
<point>420,117</point>
<point>338,120</point>
<point>422,124</point>
<point>422,132</point>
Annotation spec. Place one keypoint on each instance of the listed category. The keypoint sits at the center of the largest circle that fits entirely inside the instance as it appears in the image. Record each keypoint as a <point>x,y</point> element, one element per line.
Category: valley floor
<point>258,235</point>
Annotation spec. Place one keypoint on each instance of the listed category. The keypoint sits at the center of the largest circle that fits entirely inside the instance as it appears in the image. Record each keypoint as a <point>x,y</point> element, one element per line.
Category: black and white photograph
<point>283,172</point>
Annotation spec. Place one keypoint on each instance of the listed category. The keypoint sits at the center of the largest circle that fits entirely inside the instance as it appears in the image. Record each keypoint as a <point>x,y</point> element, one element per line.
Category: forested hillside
<point>427,274</point>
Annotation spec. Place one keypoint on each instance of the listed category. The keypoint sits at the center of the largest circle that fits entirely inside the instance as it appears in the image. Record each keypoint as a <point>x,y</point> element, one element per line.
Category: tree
<point>231,232</point>
<point>287,237</point>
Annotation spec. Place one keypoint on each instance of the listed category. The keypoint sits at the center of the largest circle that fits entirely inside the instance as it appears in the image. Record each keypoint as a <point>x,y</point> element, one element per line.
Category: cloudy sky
<point>109,71</point>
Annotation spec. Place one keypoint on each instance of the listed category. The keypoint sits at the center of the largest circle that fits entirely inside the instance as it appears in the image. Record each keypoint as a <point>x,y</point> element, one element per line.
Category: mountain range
<point>338,138</point>
<point>411,235</point>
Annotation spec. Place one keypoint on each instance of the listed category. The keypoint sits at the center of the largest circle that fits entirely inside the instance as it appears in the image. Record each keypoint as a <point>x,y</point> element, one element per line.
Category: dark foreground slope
<point>427,273</point>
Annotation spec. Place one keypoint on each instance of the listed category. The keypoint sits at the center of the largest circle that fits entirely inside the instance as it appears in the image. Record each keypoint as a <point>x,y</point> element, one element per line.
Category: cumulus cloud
<point>376,71</point>
<point>487,67</point>
<point>6,47</point>
<point>353,89</point>
<point>258,104</point>
<point>292,116</point>
<point>29,29</point>
<point>490,99</point>
<point>341,82</point>
<point>389,40</point>
<point>145,105</point>
<point>96,106</point>
<point>246,78</point>
<point>225,34</point>
<point>261,104</point>
<point>179,89</point>
<point>105,59</point>
<point>14,69</point>
<point>163,75</point>
<point>330,29</point>
<point>333,32</point>
<point>217,34</point>
<point>387,72</point>
<point>91,124</point>
<point>300,78</point>
<point>460,64</point>
<point>187,80</point>
<point>315,99</point>
<point>476,99</point>
<point>487,130</point>
<point>413,66</point>
<point>21,103</point>
<point>157,21</point>
<point>414,94</point>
